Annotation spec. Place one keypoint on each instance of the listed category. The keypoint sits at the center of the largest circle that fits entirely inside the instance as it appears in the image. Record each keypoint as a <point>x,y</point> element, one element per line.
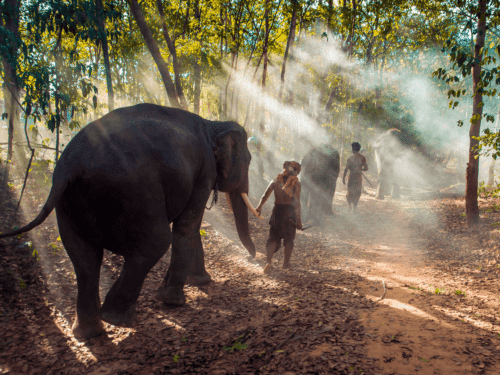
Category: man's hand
<point>259,210</point>
<point>299,224</point>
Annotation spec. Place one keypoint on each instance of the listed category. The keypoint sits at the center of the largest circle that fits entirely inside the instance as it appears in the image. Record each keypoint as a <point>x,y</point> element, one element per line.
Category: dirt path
<point>323,316</point>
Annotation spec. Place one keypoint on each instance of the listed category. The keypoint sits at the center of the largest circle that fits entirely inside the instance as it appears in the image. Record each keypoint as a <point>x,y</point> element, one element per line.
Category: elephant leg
<point>333,188</point>
<point>120,303</point>
<point>396,191</point>
<point>304,200</point>
<point>273,244</point>
<point>198,274</point>
<point>288,243</point>
<point>187,252</point>
<point>86,261</point>
<point>383,186</point>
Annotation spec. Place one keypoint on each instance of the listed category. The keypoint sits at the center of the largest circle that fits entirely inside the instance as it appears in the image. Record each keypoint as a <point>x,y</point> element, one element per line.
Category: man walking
<point>356,164</point>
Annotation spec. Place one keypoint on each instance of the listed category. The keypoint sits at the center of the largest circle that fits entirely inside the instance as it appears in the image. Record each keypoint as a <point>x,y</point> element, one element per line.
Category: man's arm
<point>296,204</point>
<point>347,164</point>
<point>364,167</point>
<point>265,197</point>
<point>345,173</point>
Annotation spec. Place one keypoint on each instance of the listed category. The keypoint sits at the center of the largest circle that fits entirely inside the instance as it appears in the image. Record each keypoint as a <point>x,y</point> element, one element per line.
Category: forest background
<point>294,73</point>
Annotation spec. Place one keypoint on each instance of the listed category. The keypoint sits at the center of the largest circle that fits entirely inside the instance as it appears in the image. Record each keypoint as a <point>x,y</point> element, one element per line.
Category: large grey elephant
<point>388,149</point>
<point>121,182</point>
<point>320,170</point>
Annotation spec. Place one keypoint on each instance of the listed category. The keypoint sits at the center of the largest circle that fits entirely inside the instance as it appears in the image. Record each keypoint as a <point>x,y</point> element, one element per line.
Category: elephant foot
<point>199,280</point>
<point>125,318</point>
<point>380,197</point>
<point>286,266</point>
<point>85,331</point>
<point>172,296</point>
<point>267,269</point>
<point>252,252</point>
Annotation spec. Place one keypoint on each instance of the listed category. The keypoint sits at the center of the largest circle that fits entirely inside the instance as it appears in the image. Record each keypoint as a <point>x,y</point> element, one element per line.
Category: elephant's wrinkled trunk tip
<point>250,207</point>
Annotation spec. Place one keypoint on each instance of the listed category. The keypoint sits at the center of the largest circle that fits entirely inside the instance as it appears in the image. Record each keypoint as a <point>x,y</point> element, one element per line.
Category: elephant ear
<point>225,151</point>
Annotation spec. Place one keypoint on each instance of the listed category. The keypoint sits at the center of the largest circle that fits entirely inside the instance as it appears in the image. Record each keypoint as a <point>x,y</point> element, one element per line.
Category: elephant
<point>320,170</point>
<point>388,149</point>
<point>120,183</point>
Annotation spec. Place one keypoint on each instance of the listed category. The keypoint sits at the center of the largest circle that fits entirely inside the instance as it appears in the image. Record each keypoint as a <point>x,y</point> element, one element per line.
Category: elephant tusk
<point>250,207</point>
<point>228,200</point>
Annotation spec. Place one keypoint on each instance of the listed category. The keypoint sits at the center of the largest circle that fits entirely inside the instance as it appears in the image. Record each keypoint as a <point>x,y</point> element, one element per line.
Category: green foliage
<point>460,50</point>
<point>22,283</point>
<point>237,346</point>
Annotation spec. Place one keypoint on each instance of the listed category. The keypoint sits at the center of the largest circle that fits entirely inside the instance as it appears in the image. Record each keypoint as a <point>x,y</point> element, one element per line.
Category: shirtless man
<point>285,219</point>
<point>356,164</point>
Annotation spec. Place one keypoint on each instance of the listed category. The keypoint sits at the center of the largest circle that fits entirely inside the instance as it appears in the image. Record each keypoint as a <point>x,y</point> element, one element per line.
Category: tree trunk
<point>289,45</point>
<point>9,11</point>
<point>222,113</point>
<point>155,52</point>
<point>197,63</point>
<point>175,58</point>
<point>472,172</point>
<point>260,161</point>
<point>105,52</point>
<point>491,169</point>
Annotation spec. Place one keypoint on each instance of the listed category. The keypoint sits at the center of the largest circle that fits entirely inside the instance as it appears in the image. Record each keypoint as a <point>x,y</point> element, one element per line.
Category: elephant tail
<point>54,196</point>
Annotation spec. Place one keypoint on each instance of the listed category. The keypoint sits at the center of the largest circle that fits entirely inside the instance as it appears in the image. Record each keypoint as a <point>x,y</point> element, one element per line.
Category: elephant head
<point>233,160</point>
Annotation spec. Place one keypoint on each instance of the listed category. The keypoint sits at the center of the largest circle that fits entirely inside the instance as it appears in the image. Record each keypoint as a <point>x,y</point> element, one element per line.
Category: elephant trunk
<point>240,211</point>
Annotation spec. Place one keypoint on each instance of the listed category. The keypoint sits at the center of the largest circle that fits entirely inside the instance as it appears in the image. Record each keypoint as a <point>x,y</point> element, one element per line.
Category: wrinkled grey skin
<point>121,182</point>
<point>388,149</point>
<point>320,170</point>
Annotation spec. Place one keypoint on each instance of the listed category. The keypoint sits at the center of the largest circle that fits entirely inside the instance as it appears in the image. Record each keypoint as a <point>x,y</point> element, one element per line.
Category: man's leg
<point>288,243</point>
<point>272,245</point>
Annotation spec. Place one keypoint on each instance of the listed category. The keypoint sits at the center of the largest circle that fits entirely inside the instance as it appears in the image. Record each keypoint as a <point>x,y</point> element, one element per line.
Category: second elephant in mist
<point>388,149</point>
<point>320,170</point>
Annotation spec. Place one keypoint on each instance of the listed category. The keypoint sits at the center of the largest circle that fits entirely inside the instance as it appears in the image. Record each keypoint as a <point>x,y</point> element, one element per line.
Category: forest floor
<point>439,313</point>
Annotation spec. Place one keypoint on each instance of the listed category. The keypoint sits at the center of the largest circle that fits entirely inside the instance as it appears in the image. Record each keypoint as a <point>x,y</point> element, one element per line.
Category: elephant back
<point>321,164</point>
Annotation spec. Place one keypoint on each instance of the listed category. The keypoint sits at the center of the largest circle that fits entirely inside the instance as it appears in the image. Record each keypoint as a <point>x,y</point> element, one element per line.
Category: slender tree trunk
<point>9,10</point>
<point>155,52</point>
<point>58,58</point>
<point>175,58</point>
<point>262,127</point>
<point>289,45</point>
<point>472,172</point>
<point>353,26</point>
<point>105,52</point>
<point>491,169</point>
<point>197,62</point>
<point>222,114</point>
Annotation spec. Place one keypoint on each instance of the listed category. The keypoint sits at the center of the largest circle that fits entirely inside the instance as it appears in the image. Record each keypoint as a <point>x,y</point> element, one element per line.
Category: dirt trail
<point>420,326</point>
<point>322,316</point>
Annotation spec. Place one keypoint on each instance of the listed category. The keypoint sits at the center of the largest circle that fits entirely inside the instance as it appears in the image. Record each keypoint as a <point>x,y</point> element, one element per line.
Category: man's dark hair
<point>356,146</point>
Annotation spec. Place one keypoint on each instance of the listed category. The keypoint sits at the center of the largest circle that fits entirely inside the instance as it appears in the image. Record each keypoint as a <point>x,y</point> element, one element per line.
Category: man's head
<point>356,147</point>
<point>291,168</point>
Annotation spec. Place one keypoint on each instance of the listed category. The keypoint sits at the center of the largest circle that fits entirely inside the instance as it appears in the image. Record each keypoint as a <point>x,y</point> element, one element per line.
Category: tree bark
<point>175,58</point>
<point>472,172</point>
<point>105,52</point>
<point>491,169</point>
<point>289,45</point>
<point>260,161</point>
<point>155,52</point>
<point>197,64</point>
<point>9,10</point>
